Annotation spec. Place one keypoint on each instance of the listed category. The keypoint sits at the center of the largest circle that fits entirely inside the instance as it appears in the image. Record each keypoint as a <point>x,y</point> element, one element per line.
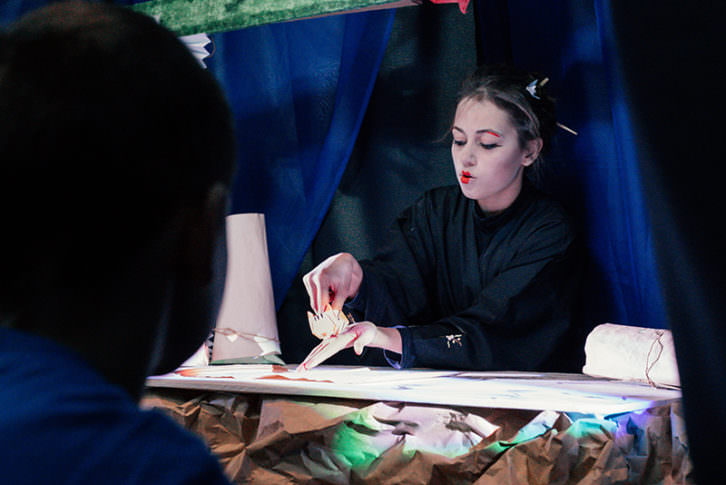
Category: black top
<point>471,290</point>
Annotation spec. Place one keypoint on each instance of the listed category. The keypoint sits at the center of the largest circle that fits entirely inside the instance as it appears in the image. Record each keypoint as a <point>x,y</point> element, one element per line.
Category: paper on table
<point>631,353</point>
<point>338,375</point>
<point>246,326</point>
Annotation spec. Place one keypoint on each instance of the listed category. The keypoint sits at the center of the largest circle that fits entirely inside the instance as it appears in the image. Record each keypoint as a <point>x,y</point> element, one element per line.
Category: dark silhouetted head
<point>116,150</point>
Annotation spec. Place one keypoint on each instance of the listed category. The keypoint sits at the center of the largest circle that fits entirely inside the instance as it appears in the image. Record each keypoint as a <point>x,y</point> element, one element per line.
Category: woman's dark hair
<point>521,94</point>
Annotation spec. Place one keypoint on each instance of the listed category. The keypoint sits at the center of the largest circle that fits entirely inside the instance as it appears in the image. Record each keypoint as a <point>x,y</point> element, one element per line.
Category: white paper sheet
<point>556,392</point>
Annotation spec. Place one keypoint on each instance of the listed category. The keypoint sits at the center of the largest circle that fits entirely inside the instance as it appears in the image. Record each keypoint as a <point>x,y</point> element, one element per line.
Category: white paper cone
<point>631,353</point>
<point>247,325</point>
<point>200,358</point>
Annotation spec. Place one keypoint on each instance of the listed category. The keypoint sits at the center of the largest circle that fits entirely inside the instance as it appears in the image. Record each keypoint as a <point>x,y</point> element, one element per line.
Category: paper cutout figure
<point>328,323</point>
<point>330,326</point>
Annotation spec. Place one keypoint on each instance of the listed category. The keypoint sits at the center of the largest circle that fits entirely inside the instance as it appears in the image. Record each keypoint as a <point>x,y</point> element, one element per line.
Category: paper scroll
<point>247,326</point>
<point>631,353</point>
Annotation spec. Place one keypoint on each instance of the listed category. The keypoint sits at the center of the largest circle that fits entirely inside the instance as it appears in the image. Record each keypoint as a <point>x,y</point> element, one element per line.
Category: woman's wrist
<point>388,339</point>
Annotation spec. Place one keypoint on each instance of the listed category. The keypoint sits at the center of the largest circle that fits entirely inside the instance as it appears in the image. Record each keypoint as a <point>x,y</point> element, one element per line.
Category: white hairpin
<point>567,129</point>
<point>532,87</point>
<point>532,90</point>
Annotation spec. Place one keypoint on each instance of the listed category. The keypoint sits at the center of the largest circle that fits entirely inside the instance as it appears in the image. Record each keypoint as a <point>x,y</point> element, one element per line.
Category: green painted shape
<point>592,427</point>
<point>357,444</point>
<point>186,17</point>
<point>354,441</point>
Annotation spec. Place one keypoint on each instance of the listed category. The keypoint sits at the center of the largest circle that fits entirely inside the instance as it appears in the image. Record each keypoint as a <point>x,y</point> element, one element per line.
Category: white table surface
<point>509,390</point>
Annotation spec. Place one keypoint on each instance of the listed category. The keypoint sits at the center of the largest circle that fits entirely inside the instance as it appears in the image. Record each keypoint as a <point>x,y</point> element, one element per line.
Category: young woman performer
<point>476,276</point>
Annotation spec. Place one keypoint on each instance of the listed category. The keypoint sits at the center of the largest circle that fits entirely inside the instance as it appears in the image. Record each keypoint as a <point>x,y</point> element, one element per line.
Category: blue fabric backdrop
<point>299,91</point>
<point>596,173</point>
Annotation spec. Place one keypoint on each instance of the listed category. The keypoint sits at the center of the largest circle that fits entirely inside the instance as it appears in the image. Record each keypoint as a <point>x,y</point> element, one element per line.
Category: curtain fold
<point>298,91</point>
<point>596,174</point>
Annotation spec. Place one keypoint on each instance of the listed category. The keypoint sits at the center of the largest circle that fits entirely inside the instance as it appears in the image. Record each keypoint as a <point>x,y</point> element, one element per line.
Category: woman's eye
<point>459,143</point>
<point>488,146</point>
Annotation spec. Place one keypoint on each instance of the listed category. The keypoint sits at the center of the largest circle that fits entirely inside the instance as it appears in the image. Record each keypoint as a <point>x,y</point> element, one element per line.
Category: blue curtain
<point>597,172</point>
<point>299,91</point>
<point>10,10</point>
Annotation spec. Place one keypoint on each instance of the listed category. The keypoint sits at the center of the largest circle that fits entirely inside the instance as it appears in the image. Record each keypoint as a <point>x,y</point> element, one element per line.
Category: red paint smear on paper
<point>193,373</point>
<point>285,378</point>
<point>211,374</point>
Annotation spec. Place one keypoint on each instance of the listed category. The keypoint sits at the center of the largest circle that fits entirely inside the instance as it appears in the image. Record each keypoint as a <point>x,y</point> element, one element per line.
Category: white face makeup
<point>488,160</point>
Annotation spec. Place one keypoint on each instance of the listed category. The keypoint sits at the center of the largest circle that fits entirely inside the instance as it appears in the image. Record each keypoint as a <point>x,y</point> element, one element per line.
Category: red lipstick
<point>465,177</point>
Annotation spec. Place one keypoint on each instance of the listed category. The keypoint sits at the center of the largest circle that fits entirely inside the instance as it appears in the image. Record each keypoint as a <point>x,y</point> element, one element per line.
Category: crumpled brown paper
<point>280,440</point>
<point>226,422</point>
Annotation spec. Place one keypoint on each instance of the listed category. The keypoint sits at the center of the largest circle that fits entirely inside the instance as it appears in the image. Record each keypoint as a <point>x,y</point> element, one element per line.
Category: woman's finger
<point>337,298</point>
<point>365,334</point>
<point>308,289</point>
<point>321,286</point>
<point>313,292</point>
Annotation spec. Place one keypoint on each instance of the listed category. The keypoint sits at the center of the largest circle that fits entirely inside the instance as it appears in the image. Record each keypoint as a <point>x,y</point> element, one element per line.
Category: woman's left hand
<point>359,335</point>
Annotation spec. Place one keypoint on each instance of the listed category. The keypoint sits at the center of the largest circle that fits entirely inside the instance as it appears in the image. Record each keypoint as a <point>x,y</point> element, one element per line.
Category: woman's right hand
<point>333,281</point>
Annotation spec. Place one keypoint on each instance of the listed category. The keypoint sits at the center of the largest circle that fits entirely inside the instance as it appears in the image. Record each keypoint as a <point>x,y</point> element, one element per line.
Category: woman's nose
<point>468,159</point>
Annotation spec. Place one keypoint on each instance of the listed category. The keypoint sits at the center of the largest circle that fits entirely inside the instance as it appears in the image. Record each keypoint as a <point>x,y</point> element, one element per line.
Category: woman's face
<point>488,159</point>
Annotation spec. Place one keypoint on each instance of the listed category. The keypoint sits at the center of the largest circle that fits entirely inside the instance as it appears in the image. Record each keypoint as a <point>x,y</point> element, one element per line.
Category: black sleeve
<point>396,284</point>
